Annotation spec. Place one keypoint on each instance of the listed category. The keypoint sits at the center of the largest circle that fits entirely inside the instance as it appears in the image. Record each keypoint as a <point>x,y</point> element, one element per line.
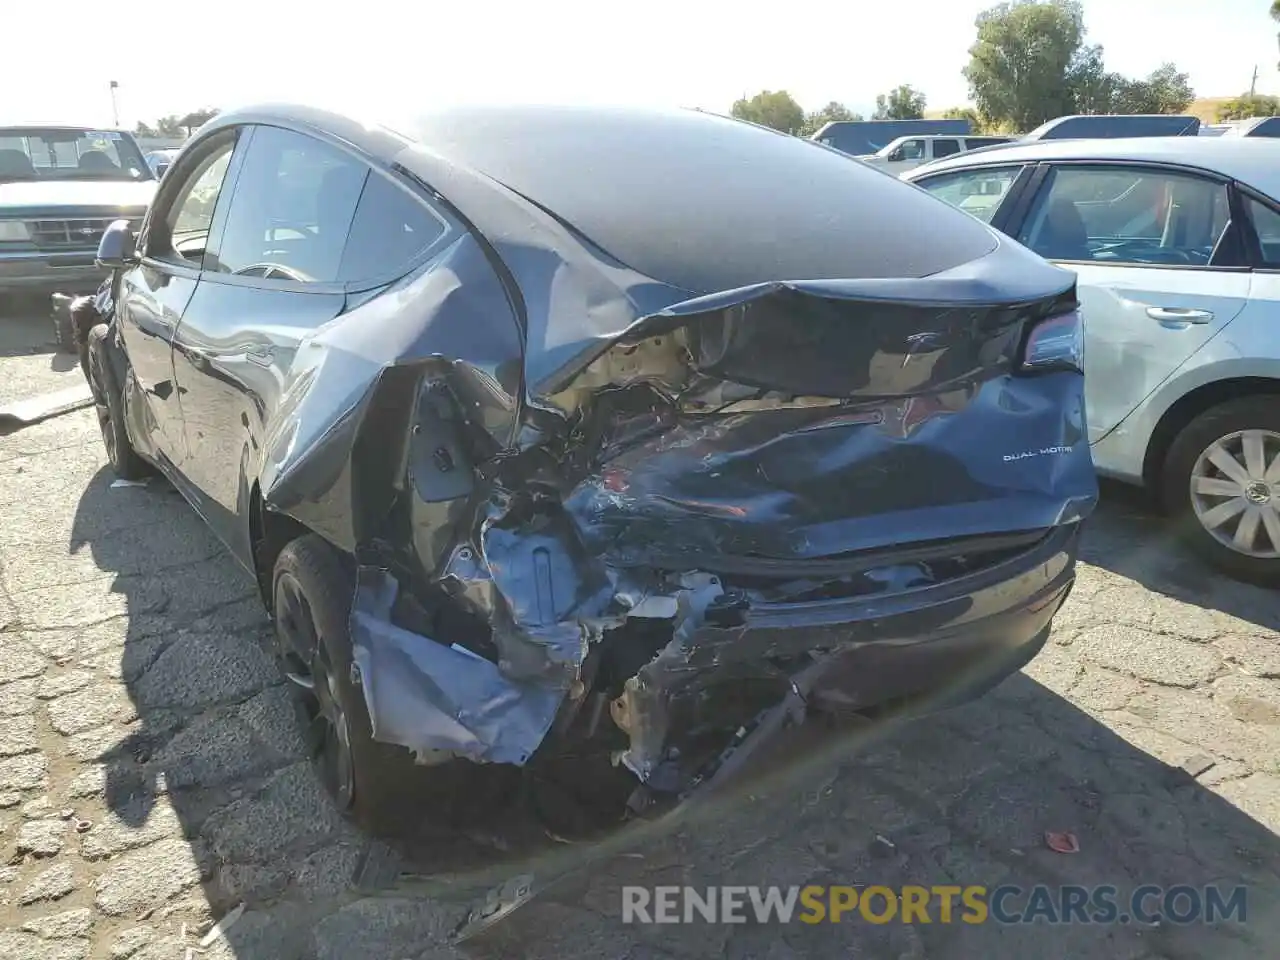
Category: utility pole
<point>1253,84</point>
<point>115,107</point>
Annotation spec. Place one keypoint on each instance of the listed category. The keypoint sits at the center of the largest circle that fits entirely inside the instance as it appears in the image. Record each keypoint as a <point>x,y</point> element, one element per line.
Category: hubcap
<point>305,662</point>
<point>1235,492</point>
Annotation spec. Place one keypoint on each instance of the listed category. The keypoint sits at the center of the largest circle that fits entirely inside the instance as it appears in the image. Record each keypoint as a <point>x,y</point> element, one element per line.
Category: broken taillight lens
<point>1056,343</point>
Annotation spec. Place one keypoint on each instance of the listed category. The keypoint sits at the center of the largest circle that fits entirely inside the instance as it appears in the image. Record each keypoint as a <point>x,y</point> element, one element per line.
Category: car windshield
<point>60,153</point>
<point>888,148</point>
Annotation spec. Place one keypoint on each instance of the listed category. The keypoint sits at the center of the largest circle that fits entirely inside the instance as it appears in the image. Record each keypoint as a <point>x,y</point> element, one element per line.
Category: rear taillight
<point>1056,343</point>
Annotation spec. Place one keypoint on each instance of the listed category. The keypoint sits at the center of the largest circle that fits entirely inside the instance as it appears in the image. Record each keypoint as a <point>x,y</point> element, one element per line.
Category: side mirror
<point>896,155</point>
<point>117,248</point>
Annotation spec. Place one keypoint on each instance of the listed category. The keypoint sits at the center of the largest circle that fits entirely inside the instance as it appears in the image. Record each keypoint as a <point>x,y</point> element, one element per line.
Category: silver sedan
<point>1176,243</point>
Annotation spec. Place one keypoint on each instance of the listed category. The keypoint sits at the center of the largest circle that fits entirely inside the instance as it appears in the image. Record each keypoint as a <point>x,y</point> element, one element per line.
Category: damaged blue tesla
<point>628,435</point>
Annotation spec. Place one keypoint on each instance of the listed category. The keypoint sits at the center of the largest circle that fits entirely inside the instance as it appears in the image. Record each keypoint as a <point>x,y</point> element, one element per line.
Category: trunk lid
<point>809,421</point>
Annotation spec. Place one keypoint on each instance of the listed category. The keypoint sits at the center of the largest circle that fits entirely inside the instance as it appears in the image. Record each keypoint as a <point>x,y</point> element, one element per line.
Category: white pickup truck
<point>906,153</point>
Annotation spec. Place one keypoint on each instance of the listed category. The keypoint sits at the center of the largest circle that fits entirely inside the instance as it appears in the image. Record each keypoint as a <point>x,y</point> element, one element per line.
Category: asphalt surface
<point>152,776</point>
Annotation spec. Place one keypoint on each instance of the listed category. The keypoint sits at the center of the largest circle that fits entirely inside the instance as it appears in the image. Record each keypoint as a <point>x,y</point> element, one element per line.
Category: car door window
<point>186,226</point>
<point>391,228</point>
<point>1266,223</point>
<point>976,192</point>
<point>911,150</point>
<point>292,208</point>
<point>1128,215</point>
<point>945,148</point>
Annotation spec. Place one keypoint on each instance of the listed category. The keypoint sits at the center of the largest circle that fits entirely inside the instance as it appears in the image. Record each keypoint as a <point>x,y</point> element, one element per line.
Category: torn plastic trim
<point>439,700</point>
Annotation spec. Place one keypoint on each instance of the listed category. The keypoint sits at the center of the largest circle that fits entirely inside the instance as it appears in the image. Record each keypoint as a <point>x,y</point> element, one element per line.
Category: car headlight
<point>14,230</point>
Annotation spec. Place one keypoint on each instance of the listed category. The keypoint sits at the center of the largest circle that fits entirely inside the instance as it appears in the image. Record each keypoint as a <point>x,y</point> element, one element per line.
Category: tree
<point>168,126</point>
<point>1021,66</point>
<point>833,112</point>
<point>1275,13</point>
<point>143,130</point>
<point>771,108</point>
<point>1245,106</point>
<point>197,118</point>
<point>901,103</point>
<point>977,122</point>
<point>1165,90</point>
<point>1093,89</point>
<point>1030,65</point>
<point>963,113</point>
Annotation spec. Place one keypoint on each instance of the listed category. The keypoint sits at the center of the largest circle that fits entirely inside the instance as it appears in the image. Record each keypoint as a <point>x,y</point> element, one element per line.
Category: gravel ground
<point>152,777</point>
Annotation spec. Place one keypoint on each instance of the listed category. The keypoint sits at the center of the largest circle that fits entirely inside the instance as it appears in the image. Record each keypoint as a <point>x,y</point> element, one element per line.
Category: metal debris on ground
<point>23,413</point>
<point>1061,842</point>
<point>220,928</point>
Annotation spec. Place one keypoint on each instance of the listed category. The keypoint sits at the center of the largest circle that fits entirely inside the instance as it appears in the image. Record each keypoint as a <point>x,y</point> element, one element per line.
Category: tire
<point>109,406</point>
<point>377,785</point>
<point>1242,538</point>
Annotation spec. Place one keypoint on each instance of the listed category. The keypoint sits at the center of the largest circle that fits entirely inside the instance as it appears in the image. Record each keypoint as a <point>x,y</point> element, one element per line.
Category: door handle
<point>1179,315</point>
<point>261,354</point>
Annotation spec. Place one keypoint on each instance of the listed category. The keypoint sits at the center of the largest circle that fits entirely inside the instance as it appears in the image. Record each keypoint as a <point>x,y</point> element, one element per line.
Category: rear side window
<point>292,209</point>
<point>945,148</point>
<point>1128,215</point>
<point>390,229</point>
<point>976,192</point>
<point>1266,222</point>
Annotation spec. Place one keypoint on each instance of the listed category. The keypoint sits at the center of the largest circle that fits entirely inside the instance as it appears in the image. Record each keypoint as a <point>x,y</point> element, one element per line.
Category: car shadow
<point>1129,536</point>
<point>26,330</point>
<point>210,803</point>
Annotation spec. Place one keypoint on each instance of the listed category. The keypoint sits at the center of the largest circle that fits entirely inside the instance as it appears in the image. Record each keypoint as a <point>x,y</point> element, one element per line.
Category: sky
<point>400,56</point>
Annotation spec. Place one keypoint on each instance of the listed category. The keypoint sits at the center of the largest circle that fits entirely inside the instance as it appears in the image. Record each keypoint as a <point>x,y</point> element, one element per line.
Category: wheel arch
<point>269,531</point>
<point>1189,406</point>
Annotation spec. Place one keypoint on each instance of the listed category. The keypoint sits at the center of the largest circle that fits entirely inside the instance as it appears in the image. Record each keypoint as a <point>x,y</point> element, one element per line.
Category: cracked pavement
<point>152,775</point>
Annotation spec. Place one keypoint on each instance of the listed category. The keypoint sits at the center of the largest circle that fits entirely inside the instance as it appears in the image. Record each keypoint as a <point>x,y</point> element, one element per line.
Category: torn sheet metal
<point>429,697</point>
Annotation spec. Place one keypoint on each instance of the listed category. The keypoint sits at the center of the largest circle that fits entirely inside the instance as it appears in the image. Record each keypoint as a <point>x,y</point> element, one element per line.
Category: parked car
<point>60,186</point>
<point>1268,127</point>
<point>1176,243</point>
<point>159,161</point>
<point>1119,125</point>
<point>592,450</point>
<point>860,138</point>
<point>907,153</point>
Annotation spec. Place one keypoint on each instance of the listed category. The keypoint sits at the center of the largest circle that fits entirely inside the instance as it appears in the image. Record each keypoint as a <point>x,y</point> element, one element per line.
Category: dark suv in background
<point>60,186</point>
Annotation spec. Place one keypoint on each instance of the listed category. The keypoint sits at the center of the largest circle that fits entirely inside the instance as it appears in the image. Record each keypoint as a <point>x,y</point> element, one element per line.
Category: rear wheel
<point>1222,483</point>
<point>108,401</point>
<point>376,784</point>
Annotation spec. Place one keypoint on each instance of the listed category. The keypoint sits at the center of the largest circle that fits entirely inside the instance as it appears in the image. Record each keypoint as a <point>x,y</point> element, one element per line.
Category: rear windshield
<point>35,153</point>
<point>709,204</point>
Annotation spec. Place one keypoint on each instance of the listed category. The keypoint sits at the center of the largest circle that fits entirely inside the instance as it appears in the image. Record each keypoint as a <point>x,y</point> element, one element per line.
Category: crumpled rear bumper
<point>936,646</point>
